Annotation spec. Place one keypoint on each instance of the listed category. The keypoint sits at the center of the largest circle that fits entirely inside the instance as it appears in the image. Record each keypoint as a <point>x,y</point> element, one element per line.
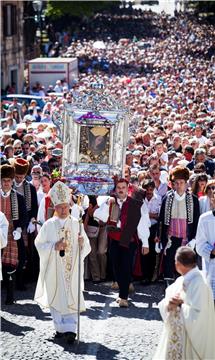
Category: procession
<point>107,162</point>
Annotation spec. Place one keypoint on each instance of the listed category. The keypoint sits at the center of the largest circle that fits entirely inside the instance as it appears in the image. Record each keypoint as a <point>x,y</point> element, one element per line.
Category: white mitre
<point>60,193</point>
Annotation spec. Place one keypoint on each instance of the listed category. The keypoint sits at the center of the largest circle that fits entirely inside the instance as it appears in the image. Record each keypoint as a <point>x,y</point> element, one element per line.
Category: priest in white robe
<point>188,314</point>
<point>205,245</point>
<point>58,245</point>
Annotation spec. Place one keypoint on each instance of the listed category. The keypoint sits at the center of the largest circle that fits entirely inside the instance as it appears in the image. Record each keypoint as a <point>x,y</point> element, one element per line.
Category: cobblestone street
<point>107,331</point>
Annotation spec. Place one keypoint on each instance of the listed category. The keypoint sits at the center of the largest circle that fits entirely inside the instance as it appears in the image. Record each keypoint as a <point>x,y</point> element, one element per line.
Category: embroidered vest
<point>129,216</point>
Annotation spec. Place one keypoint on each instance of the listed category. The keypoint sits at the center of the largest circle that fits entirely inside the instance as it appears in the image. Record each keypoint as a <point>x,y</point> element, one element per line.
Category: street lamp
<point>37,6</point>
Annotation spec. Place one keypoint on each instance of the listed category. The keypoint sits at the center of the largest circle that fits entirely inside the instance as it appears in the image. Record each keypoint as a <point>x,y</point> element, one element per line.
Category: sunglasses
<point>212,187</point>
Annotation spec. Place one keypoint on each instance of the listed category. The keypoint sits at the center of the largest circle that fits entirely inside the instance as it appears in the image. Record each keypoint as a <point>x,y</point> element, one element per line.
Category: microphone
<point>62,253</point>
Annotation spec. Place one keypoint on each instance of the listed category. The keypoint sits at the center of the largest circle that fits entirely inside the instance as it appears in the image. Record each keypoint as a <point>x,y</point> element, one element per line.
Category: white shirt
<point>5,194</point>
<point>161,190</point>
<point>153,206</point>
<point>102,213</point>
<point>200,140</point>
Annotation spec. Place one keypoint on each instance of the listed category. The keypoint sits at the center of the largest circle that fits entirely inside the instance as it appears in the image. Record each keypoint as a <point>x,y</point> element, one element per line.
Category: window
<point>9,20</point>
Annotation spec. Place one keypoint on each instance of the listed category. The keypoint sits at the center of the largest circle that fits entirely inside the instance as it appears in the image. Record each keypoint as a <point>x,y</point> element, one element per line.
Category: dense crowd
<point>162,69</point>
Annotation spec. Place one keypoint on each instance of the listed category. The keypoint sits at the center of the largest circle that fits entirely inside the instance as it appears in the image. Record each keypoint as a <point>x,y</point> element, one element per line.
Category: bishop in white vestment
<point>57,244</point>
<point>188,314</point>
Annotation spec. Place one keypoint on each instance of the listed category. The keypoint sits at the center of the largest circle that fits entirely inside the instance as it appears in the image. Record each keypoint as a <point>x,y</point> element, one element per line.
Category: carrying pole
<point>79,278</point>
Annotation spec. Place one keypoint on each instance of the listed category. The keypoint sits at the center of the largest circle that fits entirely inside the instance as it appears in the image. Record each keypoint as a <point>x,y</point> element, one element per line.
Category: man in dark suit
<point>200,157</point>
<point>13,206</point>
<point>25,188</point>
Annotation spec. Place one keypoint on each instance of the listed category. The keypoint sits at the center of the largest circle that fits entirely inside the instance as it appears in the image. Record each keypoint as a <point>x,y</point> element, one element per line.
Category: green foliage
<point>57,9</point>
<point>202,6</point>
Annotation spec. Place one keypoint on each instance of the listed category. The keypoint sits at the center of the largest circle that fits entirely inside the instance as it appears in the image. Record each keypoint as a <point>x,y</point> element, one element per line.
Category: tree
<point>202,6</point>
<point>57,9</point>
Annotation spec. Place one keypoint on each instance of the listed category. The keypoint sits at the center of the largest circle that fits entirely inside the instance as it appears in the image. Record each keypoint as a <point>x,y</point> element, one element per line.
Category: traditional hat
<point>60,193</point>
<point>21,166</point>
<point>7,171</point>
<point>180,172</point>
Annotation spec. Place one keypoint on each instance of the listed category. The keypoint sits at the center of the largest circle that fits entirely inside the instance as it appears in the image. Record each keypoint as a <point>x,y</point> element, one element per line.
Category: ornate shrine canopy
<point>94,132</point>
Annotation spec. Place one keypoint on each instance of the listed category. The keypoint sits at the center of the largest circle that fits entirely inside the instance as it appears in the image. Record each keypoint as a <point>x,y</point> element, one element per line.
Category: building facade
<point>12,52</point>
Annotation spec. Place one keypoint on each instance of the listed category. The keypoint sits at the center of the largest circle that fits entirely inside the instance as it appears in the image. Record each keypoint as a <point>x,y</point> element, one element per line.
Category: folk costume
<point>205,244</point>
<point>189,330</point>
<point>126,219</point>
<point>13,206</point>
<point>178,222</point>
<point>57,285</point>
<point>26,189</point>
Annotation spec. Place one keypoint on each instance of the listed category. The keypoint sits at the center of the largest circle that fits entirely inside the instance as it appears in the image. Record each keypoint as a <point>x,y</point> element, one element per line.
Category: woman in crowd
<point>205,202</point>
<point>199,184</point>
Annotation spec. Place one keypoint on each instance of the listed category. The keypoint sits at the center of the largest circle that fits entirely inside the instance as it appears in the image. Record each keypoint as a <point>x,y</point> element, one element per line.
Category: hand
<point>145,250</point>
<point>171,307</point>
<point>153,215</point>
<point>60,245</point>
<point>176,300</point>
<point>81,241</point>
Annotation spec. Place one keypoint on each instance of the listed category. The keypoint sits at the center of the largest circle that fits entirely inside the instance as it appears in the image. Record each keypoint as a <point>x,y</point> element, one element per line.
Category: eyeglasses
<point>212,187</point>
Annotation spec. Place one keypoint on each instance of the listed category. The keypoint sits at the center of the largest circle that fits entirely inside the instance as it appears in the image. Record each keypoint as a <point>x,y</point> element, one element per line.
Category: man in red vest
<point>126,218</point>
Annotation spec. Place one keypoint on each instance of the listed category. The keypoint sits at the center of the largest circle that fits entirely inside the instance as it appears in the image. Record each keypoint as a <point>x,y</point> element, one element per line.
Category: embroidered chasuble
<point>57,284</point>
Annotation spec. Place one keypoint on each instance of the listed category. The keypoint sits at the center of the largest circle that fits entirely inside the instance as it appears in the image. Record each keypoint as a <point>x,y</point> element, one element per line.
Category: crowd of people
<point>164,74</point>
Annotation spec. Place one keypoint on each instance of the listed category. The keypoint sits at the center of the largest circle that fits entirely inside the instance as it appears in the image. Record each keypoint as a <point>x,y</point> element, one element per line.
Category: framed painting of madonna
<point>94,144</point>
<point>94,133</point>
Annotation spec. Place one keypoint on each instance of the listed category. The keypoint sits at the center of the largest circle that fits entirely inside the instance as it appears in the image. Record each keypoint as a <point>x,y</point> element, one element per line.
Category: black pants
<point>169,259</point>
<point>149,260</point>
<point>122,261</point>
<point>9,274</point>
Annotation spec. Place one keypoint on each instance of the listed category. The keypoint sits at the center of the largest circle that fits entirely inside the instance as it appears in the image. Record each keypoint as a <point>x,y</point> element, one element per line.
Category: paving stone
<point>107,331</point>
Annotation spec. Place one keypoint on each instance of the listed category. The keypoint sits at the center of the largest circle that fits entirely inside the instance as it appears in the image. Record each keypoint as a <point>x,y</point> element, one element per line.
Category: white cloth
<point>41,213</point>
<point>188,331</point>
<point>162,189</point>
<point>40,196</point>
<point>64,323</point>
<point>205,243</point>
<point>201,140</point>
<point>3,234</point>
<point>5,194</point>
<point>153,206</point>
<point>57,284</point>
<point>76,210</point>
<point>102,213</point>
<point>204,204</point>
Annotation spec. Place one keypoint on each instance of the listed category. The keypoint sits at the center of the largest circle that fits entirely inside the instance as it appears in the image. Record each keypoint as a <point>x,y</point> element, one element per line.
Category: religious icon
<point>94,144</point>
